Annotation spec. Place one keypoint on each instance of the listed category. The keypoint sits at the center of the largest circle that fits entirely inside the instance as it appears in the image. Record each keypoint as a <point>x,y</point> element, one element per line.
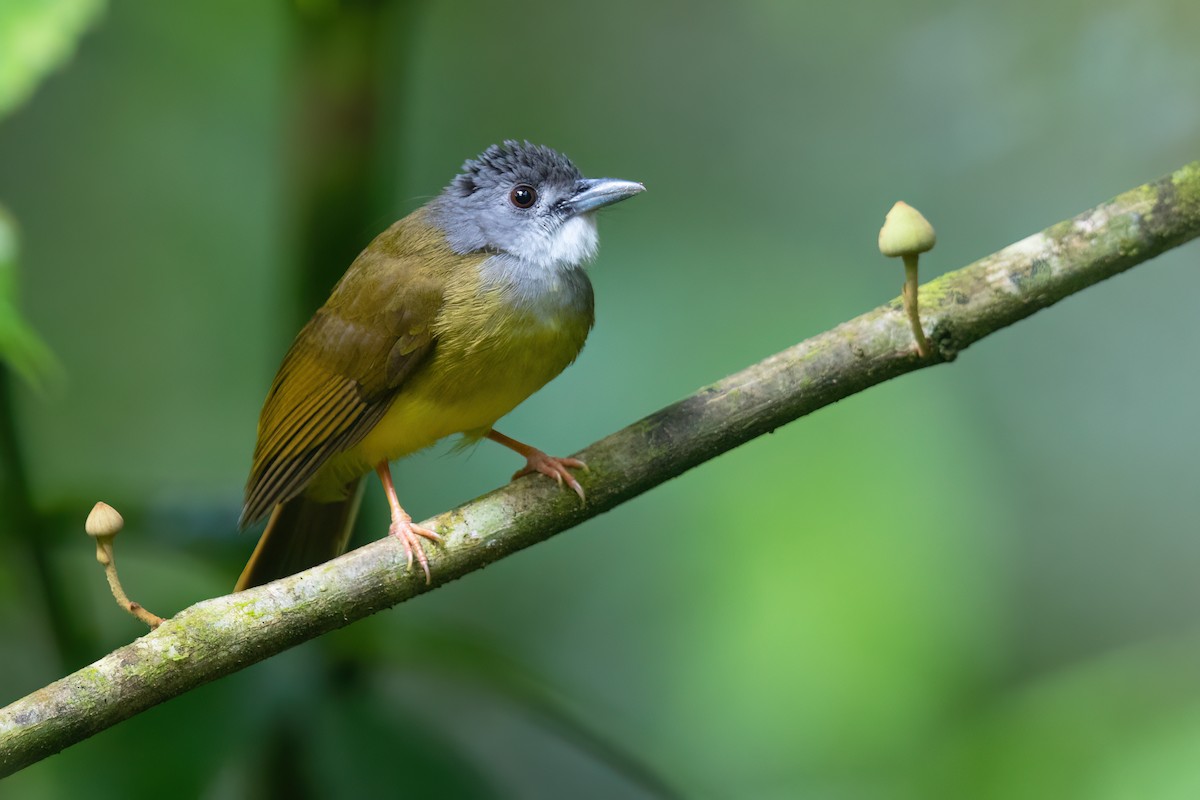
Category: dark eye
<point>523,195</point>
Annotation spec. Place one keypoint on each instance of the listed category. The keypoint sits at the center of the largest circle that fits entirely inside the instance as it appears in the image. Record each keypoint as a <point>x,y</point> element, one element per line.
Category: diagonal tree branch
<point>225,634</point>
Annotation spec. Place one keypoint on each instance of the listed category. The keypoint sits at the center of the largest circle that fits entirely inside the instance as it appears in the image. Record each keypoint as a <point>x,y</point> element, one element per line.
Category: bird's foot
<point>554,467</point>
<point>410,534</point>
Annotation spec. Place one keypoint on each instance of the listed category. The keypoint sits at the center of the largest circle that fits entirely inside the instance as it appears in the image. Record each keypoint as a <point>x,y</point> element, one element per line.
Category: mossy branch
<point>225,634</point>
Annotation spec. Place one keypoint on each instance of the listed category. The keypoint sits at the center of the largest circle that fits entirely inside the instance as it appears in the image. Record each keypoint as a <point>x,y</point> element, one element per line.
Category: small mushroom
<point>103,524</point>
<point>906,234</point>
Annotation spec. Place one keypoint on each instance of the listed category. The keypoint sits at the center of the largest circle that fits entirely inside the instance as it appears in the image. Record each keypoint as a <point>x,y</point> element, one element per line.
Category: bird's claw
<point>410,534</point>
<point>554,467</point>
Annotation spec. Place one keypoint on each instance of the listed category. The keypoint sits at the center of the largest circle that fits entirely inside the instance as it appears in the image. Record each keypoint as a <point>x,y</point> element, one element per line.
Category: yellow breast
<point>496,344</point>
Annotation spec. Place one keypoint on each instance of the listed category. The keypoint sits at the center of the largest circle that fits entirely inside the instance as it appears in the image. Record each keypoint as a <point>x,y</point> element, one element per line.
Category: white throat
<point>547,278</point>
<point>573,244</point>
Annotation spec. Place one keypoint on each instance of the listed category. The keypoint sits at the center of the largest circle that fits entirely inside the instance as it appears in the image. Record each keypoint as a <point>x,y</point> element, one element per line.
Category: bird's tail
<point>301,534</point>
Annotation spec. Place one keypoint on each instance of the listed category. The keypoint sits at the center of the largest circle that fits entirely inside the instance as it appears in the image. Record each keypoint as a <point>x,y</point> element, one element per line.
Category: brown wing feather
<point>345,367</point>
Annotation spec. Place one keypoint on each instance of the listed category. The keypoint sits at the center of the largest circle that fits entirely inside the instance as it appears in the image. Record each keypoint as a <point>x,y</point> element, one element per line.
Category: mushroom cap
<point>905,232</point>
<point>103,521</point>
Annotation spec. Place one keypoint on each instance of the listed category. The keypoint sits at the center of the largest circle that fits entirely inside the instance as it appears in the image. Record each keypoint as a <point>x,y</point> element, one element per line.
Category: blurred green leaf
<point>37,36</point>
<point>469,656</point>
<point>1118,726</point>
<point>19,345</point>
<point>356,747</point>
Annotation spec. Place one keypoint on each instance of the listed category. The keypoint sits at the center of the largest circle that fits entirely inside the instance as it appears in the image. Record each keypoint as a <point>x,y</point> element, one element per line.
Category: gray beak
<point>594,193</point>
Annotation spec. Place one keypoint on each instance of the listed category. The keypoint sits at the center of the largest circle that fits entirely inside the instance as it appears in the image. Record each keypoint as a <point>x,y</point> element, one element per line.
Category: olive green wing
<point>343,371</point>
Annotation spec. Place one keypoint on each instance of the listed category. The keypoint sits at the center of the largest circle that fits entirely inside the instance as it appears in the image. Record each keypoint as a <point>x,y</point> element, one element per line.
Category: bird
<point>447,321</point>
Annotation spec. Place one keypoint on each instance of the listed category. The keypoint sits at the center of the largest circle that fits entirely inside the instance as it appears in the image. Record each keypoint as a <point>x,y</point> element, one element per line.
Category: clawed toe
<point>553,467</point>
<point>410,535</point>
<point>537,461</point>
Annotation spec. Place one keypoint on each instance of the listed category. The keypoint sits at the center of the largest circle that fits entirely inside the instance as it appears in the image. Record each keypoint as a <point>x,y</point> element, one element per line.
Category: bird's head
<point>526,201</point>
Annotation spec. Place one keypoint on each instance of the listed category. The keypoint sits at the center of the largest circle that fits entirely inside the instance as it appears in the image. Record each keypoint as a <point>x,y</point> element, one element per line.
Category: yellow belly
<point>471,381</point>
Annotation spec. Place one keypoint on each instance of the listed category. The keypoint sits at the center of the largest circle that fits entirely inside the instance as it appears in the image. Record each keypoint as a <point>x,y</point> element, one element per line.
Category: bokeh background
<point>975,581</point>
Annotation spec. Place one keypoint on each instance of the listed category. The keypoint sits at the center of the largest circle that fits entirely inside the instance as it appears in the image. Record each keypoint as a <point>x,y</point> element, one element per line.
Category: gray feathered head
<point>527,201</point>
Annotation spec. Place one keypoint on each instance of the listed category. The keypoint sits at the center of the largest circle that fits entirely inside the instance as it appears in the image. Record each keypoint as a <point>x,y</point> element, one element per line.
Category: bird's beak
<point>593,193</point>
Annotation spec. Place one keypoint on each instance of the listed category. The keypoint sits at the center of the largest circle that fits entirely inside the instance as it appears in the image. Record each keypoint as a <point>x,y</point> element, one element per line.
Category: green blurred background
<point>976,581</point>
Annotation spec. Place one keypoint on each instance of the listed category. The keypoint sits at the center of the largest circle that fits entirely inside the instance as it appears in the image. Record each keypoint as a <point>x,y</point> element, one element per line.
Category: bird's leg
<point>403,528</point>
<point>537,461</point>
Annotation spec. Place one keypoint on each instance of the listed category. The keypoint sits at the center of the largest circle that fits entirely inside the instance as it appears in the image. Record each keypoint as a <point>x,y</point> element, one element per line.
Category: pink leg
<point>403,528</point>
<point>537,461</point>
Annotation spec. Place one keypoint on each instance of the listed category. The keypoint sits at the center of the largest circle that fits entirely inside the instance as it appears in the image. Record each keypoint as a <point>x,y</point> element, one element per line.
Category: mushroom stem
<point>104,554</point>
<point>909,294</point>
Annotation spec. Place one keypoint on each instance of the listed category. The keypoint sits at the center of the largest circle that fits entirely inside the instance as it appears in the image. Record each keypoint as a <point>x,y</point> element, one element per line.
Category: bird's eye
<point>523,196</point>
